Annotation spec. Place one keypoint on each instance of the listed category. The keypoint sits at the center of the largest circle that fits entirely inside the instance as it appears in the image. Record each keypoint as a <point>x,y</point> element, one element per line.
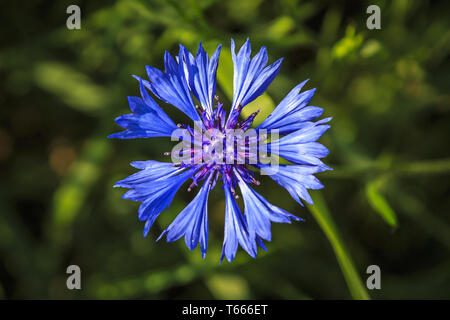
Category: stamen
<point>192,186</point>
<point>213,177</point>
<point>249,121</point>
<point>256,181</point>
<point>233,192</point>
<point>199,110</point>
<point>232,120</point>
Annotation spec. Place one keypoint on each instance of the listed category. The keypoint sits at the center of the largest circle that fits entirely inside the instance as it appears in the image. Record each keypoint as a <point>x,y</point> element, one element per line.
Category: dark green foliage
<point>386,203</point>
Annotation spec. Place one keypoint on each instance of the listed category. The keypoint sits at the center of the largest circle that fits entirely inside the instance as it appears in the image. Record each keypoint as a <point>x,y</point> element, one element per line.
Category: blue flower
<point>220,147</point>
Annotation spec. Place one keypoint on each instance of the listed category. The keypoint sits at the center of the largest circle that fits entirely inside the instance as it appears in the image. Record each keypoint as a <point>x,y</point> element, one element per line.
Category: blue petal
<point>260,213</point>
<point>297,120</point>
<point>192,222</point>
<point>144,190</point>
<point>154,106</point>
<point>201,73</point>
<point>251,76</point>
<point>147,120</point>
<point>296,179</point>
<point>150,170</point>
<point>300,147</point>
<point>147,125</point>
<point>171,86</point>
<point>155,185</point>
<point>261,243</point>
<point>235,230</point>
<point>293,112</point>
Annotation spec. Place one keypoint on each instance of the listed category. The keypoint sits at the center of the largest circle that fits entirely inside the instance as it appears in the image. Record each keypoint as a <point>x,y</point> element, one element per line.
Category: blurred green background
<point>386,203</point>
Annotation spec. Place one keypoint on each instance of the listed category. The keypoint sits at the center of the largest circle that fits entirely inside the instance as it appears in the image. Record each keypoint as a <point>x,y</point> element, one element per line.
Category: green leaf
<point>70,196</point>
<point>71,86</point>
<point>379,203</point>
<point>320,212</point>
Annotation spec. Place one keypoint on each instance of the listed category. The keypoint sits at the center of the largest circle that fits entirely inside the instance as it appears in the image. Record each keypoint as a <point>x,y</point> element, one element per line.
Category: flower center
<point>217,144</point>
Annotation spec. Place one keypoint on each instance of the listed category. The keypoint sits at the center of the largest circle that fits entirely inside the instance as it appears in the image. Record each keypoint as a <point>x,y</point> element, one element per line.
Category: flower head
<point>219,147</point>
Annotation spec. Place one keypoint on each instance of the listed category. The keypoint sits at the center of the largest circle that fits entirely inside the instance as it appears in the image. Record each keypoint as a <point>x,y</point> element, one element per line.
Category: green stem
<point>320,212</point>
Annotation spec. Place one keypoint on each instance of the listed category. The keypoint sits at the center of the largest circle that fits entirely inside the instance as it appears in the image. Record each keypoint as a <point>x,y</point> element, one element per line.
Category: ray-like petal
<point>235,230</point>
<point>155,186</point>
<point>296,179</point>
<point>154,106</point>
<point>150,170</point>
<point>171,86</point>
<point>251,76</point>
<point>259,213</point>
<point>192,222</point>
<point>300,147</point>
<point>201,74</point>
<point>292,112</point>
<point>147,120</point>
